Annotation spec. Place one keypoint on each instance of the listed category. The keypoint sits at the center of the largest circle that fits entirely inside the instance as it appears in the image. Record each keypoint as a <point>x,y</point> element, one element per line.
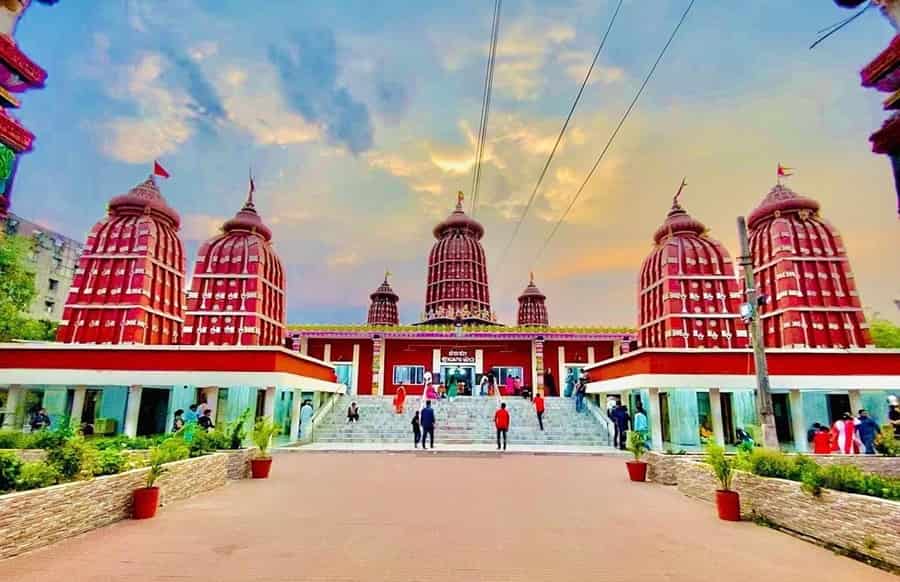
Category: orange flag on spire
<point>784,171</point>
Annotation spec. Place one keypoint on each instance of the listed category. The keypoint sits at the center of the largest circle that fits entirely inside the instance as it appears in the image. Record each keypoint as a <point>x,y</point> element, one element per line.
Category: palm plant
<point>263,431</point>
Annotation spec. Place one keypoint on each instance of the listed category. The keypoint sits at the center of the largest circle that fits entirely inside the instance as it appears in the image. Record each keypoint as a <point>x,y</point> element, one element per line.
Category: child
<point>417,430</point>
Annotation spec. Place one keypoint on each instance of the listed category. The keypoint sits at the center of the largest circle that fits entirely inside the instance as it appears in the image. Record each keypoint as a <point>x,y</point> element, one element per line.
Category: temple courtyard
<point>424,516</point>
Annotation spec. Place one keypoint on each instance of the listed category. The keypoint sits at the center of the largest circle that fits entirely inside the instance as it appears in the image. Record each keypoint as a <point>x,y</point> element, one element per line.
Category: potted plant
<point>263,431</point>
<point>637,444</point>
<point>146,499</point>
<point>728,502</point>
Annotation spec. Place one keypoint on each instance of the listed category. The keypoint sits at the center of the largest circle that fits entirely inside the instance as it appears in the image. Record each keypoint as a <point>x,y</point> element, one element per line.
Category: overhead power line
<point>559,138</point>
<point>485,105</point>
<point>615,132</point>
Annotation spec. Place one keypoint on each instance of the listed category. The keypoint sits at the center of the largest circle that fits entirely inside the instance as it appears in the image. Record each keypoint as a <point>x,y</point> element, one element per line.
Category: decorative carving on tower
<point>802,267</point>
<point>383,310</point>
<point>532,307</point>
<point>457,285</point>
<point>689,294</point>
<point>237,292</point>
<point>128,286</point>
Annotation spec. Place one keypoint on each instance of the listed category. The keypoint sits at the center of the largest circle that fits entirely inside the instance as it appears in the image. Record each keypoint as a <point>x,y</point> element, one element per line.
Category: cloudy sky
<point>358,119</point>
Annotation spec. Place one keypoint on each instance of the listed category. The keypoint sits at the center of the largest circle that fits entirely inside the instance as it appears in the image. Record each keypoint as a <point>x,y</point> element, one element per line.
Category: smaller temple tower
<point>532,307</point>
<point>383,310</point>
<point>689,295</point>
<point>800,264</point>
<point>237,291</point>
<point>128,287</point>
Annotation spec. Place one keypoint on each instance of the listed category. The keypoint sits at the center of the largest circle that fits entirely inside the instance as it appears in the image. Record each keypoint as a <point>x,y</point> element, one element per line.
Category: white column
<point>382,367</point>
<point>479,361</point>
<point>798,420</point>
<point>354,372</point>
<point>295,415</point>
<point>78,404</point>
<point>132,409</point>
<point>436,361</point>
<point>591,355</point>
<point>537,375</point>
<point>13,398</point>
<point>327,354</point>
<point>715,409</point>
<point>304,345</point>
<point>656,432</point>
<point>855,402</point>
<point>561,371</point>
<point>617,348</point>
<point>269,403</point>
<point>211,393</point>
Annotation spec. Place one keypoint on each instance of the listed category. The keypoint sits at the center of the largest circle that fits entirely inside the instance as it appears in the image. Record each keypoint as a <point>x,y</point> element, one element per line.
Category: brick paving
<point>397,517</point>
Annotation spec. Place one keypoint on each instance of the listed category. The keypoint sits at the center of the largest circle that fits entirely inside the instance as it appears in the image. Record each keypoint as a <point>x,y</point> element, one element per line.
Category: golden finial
<point>459,197</point>
<point>531,280</point>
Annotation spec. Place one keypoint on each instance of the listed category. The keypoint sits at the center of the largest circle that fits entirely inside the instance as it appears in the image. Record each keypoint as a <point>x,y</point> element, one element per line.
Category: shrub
<point>109,462</point>
<point>37,474</point>
<point>637,444</point>
<point>772,463</point>
<point>170,450</point>
<point>237,431</point>
<point>11,439</point>
<point>263,431</point>
<point>10,466</point>
<point>721,465</point>
<point>201,443</point>
<point>886,443</point>
<point>69,457</point>
<point>122,442</point>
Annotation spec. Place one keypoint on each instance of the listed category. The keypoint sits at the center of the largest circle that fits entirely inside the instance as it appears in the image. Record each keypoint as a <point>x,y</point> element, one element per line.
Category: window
<point>502,372</point>
<point>52,284</point>
<point>344,374</point>
<point>409,374</point>
<point>57,263</point>
<point>49,305</point>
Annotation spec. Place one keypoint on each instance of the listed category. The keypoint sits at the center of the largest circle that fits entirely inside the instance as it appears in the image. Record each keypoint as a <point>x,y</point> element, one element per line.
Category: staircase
<point>466,420</point>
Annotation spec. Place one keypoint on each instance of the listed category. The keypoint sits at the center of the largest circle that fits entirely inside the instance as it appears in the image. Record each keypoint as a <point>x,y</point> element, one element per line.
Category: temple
<point>18,73</point>
<point>383,309</point>
<point>457,283</point>
<point>129,284</point>
<point>801,266</point>
<point>532,307</point>
<point>237,292</point>
<point>688,296</point>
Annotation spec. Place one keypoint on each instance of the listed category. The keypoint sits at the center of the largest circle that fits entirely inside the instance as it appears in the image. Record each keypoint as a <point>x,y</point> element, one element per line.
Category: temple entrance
<point>153,412</point>
<point>464,375</point>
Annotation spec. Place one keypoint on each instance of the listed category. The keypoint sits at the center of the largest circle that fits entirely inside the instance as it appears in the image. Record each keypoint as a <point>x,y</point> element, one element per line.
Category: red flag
<point>783,171</point>
<point>158,170</point>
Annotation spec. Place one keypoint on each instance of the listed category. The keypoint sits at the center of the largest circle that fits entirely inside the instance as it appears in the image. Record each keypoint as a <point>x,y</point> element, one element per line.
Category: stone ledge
<point>867,526</point>
<point>40,517</point>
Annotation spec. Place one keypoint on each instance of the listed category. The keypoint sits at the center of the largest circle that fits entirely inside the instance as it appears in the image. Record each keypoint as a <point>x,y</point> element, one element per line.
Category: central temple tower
<point>457,285</point>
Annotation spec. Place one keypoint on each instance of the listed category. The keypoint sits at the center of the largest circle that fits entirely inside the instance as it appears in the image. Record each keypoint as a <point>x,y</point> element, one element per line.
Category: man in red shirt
<point>539,408</point>
<point>501,420</point>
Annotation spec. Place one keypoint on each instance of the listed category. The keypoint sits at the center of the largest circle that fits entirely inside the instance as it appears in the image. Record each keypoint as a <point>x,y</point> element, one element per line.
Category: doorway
<point>260,403</point>
<point>727,417</point>
<point>154,411</point>
<point>664,417</point>
<point>465,378</point>
<point>838,404</point>
<point>782,410</point>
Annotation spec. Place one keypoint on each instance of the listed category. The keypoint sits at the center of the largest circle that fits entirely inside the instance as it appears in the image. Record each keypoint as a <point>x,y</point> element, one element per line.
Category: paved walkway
<point>451,448</point>
<point>390,517</point>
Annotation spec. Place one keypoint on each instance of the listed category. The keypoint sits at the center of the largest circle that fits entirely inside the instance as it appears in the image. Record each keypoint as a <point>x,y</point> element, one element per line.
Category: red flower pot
<point>728,503</point>
<point>146,500</point>
<point>637,470</point>
<point>260,468</point>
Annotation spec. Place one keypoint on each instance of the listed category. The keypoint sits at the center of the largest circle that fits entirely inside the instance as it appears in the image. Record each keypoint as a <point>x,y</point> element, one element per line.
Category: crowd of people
<point>851,435</point>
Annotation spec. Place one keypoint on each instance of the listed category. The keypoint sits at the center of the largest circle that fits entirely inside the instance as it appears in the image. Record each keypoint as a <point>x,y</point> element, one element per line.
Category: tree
<point>885,334</point>
<point>17,291</point>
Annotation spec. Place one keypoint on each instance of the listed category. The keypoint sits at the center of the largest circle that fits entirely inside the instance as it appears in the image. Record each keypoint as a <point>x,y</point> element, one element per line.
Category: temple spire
<point>678,194</point>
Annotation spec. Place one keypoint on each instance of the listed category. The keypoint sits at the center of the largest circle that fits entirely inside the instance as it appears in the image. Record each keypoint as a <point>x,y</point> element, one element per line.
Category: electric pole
<point>750,315</point>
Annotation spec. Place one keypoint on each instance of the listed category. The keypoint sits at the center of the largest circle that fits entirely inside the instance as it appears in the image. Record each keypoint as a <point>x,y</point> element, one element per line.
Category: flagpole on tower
<point>783,172</point>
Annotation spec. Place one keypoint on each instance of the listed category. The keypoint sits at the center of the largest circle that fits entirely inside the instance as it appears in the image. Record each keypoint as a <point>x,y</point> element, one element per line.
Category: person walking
<point>306,414</point>
<point>550,382</point>
<point>539,409</point>
<point>427,421</point>
<point>580,393</point>
<point>867,430</point>
<point>483,385</point>
<point>417,430</point>
<point>501,421</point>
<point>40,420</point>
<point>843,433</point>
<point>621,418</point>
<point>353,413</point>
